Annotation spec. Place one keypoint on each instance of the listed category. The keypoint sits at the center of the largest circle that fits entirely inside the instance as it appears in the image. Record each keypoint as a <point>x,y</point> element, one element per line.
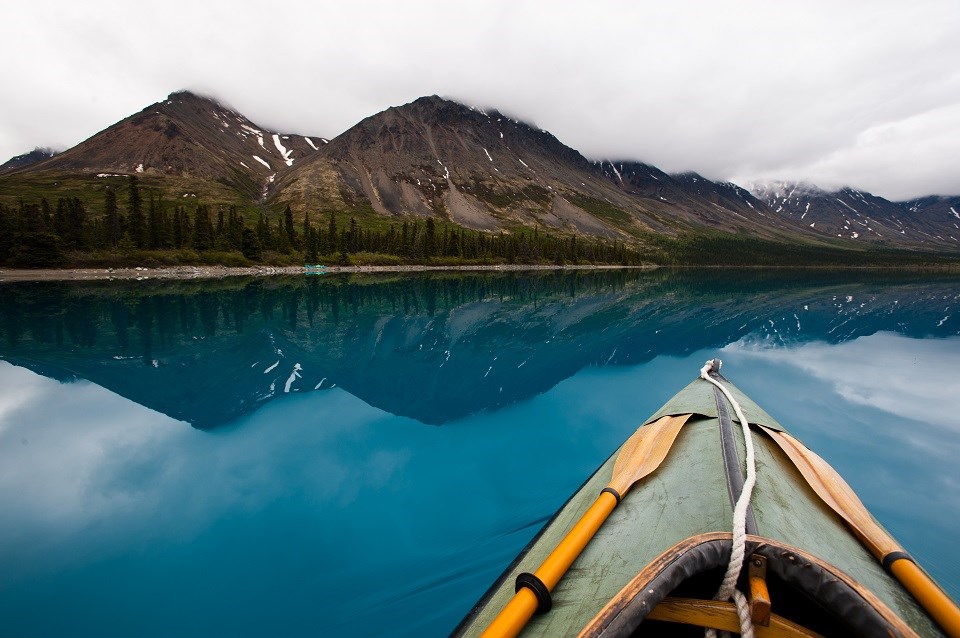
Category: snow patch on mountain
<point>287,155</point>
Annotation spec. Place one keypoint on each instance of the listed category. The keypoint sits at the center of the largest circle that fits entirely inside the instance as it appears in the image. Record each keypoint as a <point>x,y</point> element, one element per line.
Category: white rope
<point>728,588</point>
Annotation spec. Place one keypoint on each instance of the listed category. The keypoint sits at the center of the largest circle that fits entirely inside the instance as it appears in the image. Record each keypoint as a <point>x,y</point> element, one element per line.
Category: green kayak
<point>648,542</point>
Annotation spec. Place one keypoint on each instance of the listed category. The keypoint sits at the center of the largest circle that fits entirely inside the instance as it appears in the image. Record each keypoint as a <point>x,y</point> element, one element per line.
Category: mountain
<point>27,159</point>
<point>191,137</point>
<point>436,157</point>
<point>720,205</point>
<point>483,169</point>
<point>943,211</point>
<point>855,215</point>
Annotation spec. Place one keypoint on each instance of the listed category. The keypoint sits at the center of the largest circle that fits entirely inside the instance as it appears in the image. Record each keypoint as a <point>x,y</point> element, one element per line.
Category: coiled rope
<point>728,588</point>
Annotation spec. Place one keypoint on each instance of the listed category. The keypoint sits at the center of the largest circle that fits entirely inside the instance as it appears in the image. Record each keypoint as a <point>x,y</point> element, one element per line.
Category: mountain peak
<point>186,95</point>
<point>182,94</point>
<point>27,159</point>
<point>772,189</point>
<point>434,108</point>
<point>191,136</point>
<point>432,100</point>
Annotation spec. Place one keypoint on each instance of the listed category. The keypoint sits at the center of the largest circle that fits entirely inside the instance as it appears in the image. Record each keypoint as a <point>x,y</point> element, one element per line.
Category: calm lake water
<point>364,455</point>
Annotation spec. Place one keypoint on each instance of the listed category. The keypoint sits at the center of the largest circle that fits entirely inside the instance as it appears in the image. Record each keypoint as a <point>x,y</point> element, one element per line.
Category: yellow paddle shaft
<point>522,606</point>
<point>839,496</point>
<point>934,600</point>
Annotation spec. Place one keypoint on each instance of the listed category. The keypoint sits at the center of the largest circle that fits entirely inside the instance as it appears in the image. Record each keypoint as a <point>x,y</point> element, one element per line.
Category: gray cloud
<point>898,385</point>
<point>860,93</point>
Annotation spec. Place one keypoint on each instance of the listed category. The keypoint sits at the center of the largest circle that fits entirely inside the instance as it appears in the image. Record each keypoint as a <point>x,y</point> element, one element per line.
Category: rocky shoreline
<point>219,272</point>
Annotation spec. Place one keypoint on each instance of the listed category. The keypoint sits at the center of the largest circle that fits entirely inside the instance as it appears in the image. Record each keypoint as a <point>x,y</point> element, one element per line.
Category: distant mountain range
<point>477,168</point>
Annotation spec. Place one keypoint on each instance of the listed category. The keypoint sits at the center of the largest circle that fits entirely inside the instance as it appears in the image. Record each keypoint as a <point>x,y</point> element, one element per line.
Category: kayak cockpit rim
<point>841,597</point>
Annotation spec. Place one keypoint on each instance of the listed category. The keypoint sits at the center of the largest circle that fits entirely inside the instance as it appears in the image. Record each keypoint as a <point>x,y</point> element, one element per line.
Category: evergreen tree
<point>235,228</point>
<point>177,228</point>
<point>165,230</point>
<point>60,218</point>
<point>202,229</point>
<point>186,230</point>
<point>430,239</point>
<point>75,230</point>
<point>558,257</point>
<point>38,246</point>
<point>306,228</point>
<point>416,242</point>
<point>288,227</point>
<point>153,224</point>
<point>282,238</point>
<point>263,233</point>
<point>405,243</point>
<point>457,248</point>
<point>113,228</point>
<point>310,241</point>
<point>311,251</point>
<point>7,234</point>
<point>250,245</point>
<point>352,236</point>
<point>45,214</point>
<point>137,220</point>
<point>331,246</point>
<point>220,234</point>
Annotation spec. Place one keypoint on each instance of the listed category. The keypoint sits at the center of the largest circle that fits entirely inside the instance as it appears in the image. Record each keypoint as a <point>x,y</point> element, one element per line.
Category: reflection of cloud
<point>54,445</point>
<point>276,507</point>
<point>78,461</point>
<point>912,378</point>
<point>27,389</point>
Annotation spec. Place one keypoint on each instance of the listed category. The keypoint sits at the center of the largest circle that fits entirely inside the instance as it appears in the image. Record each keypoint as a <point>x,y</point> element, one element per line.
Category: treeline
<point>38,234</point>
<point>714,248</point>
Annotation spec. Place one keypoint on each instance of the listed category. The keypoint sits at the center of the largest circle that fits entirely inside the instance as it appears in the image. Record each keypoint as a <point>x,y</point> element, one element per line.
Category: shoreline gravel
<point>219,272</point>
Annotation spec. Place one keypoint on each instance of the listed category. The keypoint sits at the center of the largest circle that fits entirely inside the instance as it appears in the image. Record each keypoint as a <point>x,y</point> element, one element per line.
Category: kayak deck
<point>688,497</point>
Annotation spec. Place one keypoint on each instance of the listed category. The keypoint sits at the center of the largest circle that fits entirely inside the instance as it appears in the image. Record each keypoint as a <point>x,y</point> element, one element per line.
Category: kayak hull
<point>690,498</point>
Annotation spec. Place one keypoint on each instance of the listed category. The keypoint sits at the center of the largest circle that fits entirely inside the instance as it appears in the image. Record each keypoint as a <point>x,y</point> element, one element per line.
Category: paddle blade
<point>643,452</point>
<point>835,492</point>
<point>640,455</point>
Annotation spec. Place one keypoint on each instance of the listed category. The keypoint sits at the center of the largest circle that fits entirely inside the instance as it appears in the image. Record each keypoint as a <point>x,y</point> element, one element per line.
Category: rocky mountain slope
<point>485,170</point>
<point>435,157</point>
<point>943,211</point>
<point>187,136</point>
<point>855,215</point>
<point>713,203</point>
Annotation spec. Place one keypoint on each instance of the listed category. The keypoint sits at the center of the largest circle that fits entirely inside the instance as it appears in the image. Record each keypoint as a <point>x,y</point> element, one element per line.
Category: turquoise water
<point>333,455</point>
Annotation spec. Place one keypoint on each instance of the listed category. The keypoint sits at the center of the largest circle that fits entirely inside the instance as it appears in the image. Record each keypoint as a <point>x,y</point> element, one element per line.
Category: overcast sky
<point>858,93</point>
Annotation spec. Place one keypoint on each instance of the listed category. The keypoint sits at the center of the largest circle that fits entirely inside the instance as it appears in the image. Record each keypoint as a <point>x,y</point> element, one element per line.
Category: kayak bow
<point>647,540</point>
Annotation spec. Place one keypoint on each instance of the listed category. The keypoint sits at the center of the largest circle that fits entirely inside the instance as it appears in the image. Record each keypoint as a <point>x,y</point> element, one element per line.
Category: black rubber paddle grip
<point>534,584</point>
<point>890,558</point>
<point>615,493</point>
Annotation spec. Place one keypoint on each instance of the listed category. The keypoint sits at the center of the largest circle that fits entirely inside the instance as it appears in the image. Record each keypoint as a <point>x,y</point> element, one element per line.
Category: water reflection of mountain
<point>434,347</point>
